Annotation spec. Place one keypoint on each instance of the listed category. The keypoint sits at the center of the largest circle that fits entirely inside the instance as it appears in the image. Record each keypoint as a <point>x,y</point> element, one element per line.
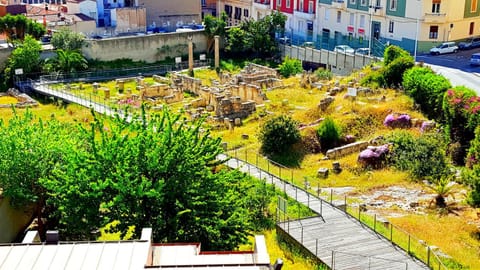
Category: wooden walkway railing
<point>337,238</point>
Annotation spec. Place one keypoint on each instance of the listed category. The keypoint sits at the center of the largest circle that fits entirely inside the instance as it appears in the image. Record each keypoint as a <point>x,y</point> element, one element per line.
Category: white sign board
<point>178,60</point>
<point>203,57</point>
<point>19,71</point>
<point>351,91</point>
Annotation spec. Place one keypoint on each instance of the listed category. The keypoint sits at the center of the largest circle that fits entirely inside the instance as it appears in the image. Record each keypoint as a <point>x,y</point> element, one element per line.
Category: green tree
<point>156,172</point>
<point>29,149</point>
<point>67,61</point>
<point>25,56</point>
<point>214,27</point>
<point>237,40</point>
<point>17,26</point>
<point>66,39</point>
<point>278,134</point>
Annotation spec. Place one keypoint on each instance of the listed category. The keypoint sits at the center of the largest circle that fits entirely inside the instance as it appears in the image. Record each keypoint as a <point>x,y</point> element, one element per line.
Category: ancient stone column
<point>190,55</point>
<point>217,51</point>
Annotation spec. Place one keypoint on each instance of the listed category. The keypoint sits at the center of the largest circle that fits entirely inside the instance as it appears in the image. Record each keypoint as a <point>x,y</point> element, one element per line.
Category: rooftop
<point>137,254</point>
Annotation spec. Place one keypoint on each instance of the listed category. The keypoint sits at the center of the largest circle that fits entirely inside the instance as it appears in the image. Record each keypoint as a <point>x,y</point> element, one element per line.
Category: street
<point>455,67</point>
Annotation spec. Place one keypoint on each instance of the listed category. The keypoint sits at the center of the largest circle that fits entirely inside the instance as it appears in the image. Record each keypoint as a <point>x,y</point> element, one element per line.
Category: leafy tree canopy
<point>66,39</point>
<point>17,26</point>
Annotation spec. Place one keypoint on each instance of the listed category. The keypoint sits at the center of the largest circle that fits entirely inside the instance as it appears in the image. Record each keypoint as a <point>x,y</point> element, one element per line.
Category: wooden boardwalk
<point>336,238</point>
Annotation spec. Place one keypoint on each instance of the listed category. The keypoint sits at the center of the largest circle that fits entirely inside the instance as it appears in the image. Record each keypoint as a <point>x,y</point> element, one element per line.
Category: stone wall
<point>148,48</point>
<point>4,55</point>
<point>348,149</point>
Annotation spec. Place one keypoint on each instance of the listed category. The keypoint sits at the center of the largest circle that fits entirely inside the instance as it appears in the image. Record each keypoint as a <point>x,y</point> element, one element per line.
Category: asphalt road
<point>456,67</point>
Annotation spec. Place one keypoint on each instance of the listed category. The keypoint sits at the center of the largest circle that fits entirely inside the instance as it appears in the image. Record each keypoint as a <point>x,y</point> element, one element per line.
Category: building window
<point>352,18</point>
<point>393,5</point>
<point>378,3</point>
<point>390,27</point>
<point>238,13</point>
<point>473,7</point>
<point>362,21</point>
<point>245,13</point>
<point>436,6</point>
<point>279,3</point>
<point>327,14</point>
<point>433,32</point>
<point>300,6</point>
<point>352,2</point>
<point>228,10</point>
<point>288,3</point>
<point>310,7</point>
<point>472,27</point>
<point>339,16</point>
<point>363,2</point>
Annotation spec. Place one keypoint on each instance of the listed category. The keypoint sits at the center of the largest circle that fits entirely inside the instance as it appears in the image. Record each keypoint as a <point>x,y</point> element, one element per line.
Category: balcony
<point>262,2</point>
<point>435,17</point>
<point>310,15</point>
<point>377,10</point>
<point>339,4</point>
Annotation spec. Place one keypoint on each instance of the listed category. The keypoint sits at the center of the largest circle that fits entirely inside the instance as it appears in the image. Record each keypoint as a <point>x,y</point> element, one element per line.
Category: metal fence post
<point>428,256</point>
<point>345,202</point>
<point>375,225</point>
<point>391,232</point>
<point>333,260</point>
<point>331,196</point>
<point>321,206</point>
<point>409,243</point>
<point>292,176</point>
<point>288,225</point>
<point>308,200</point>
<point>316,247</point>
<point>302,235</point>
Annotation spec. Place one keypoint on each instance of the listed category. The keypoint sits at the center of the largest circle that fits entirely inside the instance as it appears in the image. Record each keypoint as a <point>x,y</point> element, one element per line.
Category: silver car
<point>344,49</point>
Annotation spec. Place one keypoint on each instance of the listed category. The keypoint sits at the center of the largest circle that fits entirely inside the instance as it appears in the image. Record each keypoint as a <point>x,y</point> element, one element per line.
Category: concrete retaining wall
<point>148,48</point>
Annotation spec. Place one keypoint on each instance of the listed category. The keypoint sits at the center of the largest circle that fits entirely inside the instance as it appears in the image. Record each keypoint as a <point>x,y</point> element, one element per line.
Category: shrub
<point>323,74</point>
<point>422,156</point>
<point>393,72</point>
<point>392,53</point>
<point>329,134</point>
<point>374,79</point>
<point>290,67</point>
<point>427,89</point>
<point>278,134</point>
<point>461,109</point>
<point>471,177</point>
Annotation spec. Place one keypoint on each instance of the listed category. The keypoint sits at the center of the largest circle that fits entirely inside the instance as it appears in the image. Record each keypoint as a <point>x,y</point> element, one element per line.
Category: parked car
<point>475,59</point>
<point>344,49</point>
<point>446,47</point>
<point>308,44</point>
<point>470,43</point>
<point>284,40</point>
<point>364,51</point>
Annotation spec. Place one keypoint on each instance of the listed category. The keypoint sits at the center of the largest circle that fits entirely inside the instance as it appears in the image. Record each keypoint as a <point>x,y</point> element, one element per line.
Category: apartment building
<point>236,10</point>
<point>409,24</point>
<point>209,7</point>
<point>172,14</point>
<point>261,8</point>
<point>301,16</point>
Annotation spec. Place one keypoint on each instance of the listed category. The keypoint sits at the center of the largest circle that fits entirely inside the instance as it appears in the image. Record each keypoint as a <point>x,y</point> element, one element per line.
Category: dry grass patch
<point>454,235</point>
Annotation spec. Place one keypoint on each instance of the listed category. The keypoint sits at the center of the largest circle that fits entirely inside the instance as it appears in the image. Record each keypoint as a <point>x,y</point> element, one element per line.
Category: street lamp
<point>370,27</point>
<point>416,42</point>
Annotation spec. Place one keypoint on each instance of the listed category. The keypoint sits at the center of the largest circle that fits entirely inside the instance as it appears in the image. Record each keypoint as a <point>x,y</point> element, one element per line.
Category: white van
<point>446,47</point>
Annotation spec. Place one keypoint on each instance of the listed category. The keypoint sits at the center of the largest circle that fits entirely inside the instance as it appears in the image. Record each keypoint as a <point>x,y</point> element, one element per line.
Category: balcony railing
<point>263,2</point>
<point>435,17</point>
